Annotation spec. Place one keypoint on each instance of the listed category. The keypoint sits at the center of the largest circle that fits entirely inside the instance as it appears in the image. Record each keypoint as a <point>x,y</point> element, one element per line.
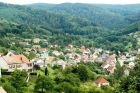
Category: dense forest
<point>98,29</point>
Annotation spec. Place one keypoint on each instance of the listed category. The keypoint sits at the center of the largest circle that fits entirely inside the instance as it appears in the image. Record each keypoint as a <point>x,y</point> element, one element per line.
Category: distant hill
<point>94,25</point>
<point>96,13</point>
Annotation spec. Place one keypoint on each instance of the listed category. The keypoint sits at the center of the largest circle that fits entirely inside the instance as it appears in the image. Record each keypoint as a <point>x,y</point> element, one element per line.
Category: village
<point>53,55</point>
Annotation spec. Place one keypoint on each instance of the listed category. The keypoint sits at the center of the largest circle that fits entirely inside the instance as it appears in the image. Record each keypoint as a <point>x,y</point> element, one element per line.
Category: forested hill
<point>112,16</point>
<point>95,26</point>
<point>98,14</point>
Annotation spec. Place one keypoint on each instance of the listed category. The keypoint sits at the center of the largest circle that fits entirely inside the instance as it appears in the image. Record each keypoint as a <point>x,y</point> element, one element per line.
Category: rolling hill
<point>94,25</point>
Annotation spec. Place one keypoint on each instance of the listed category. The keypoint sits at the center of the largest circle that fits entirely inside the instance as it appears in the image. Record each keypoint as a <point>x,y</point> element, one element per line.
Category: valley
<point>69,48</point>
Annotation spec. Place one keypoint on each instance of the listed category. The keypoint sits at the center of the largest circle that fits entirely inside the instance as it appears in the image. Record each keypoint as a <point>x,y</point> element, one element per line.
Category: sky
<point>72,1</point>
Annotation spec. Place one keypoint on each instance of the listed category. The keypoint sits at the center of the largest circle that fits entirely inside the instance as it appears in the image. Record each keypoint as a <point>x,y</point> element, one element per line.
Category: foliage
<point>131,84</point>
<point>18,80</point>
<point>44,83</point>
<point>9,88</point>
<point>31,55</point>
<point>82,72</point>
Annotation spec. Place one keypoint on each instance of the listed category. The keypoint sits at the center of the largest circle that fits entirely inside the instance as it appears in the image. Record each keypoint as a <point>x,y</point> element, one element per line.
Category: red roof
<point>101,80</point>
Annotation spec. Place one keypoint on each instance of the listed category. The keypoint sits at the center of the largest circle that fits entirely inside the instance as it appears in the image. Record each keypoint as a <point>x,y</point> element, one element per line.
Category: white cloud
<point>72,1</point>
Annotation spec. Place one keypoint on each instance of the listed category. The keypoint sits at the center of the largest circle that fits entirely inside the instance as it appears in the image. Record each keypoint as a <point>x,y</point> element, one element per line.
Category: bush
<point>9,88</point>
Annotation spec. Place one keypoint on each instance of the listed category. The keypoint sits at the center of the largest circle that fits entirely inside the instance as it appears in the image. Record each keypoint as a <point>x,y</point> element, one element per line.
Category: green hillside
<point>100,15</point>
<point>92,25</point>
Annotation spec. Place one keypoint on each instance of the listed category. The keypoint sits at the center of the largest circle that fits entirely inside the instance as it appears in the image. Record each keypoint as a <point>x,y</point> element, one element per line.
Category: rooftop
<point>101,80</point>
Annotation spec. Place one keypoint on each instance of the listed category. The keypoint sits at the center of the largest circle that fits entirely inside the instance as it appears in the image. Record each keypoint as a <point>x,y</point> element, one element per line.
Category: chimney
<point>20,58</point>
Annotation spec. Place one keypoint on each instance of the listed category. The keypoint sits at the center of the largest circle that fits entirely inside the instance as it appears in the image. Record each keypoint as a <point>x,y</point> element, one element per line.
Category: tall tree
<point>18,80</point>
<point>44,83</point>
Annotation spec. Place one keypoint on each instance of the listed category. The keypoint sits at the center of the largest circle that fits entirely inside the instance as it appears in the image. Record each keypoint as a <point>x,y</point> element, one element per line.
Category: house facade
<point>13,62</point>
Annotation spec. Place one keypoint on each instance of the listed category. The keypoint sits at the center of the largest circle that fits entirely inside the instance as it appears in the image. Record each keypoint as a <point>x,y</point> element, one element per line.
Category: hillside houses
<point>69,56</point>
<point>109,63</point>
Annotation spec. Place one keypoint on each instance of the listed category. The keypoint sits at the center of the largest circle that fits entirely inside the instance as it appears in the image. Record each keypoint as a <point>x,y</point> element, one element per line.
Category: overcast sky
<point>72,1</point>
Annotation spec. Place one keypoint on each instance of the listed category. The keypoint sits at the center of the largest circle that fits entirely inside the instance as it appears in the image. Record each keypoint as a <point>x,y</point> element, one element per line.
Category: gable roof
<point>101,80</point>
<point>16,59</point>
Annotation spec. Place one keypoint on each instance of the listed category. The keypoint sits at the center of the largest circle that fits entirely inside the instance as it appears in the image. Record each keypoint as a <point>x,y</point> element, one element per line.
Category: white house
<point>12,62</point>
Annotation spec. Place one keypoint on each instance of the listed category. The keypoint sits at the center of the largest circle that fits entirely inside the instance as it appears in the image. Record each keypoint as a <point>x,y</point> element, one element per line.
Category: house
<point>57,53</point>
<point>60,63</point>
<point>44,55</point>
<point>138,49</point>
<point>122,59</point>
<point>55,46</point>
<point>32,50</point>
<point>111,69</point>
<point>50,59</point>
<point>105,65</point>
<point>93,58</point>
<point>36,46</point>
<point>24,43</point>
<point>70,46</point>
<point>97,50</point>
<point>84,58</point>
<point>101,82</point>
<point>12,62</point>
<point>87,51</point>
<point>36,40</point>
<point>42,50</point>
<point>98,59</point>
<point>77,57</point>
<point>82,49</point>
<point>105,57</point>
<point>40,62</point>
<point>45,41</point>
<point>111,59</point>
<point>27,40</point>
<point>2,90</point>
<point>69,55</point>
<point>110,64</point>
<point>51,46</point>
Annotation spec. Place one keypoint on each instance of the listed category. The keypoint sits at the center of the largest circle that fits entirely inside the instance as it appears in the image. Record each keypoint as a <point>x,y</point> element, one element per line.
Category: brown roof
<point>16,59</point>
<point>101,80</point>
